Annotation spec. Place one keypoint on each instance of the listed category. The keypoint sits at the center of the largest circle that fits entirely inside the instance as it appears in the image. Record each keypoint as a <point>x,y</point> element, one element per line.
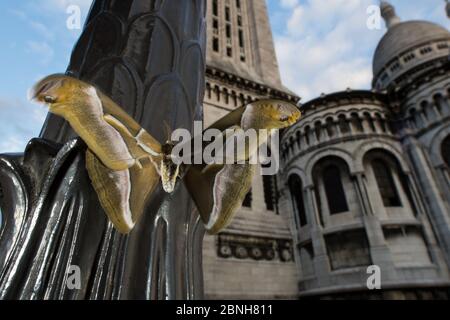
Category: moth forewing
<point>231,185</point>
<point>113,189</point>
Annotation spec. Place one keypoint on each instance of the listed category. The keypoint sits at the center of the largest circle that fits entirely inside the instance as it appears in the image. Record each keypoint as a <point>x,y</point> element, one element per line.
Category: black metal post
<point>148,55</point>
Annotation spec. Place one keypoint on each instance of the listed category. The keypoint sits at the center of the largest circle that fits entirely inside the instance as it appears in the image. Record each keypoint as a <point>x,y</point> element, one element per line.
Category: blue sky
<point>322,46</point>
<point>326,46</point>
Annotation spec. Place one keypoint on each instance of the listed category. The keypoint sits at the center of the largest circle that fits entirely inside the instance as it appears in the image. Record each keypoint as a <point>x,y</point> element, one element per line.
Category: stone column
<point>377,124</point>
<point>365,124</point>
<point>313,137</point>
<point>339,132</point>
<point>352,126</point>
<point>446,177</point>
<point>379,250</point>
<point>423,118</point>
<point>321,260</point>
<point>303,141</point>
<point>148,56</point>
<point>286,207</point>
<point>429,188</point>
<point>435,252</point>
<point>327,133</point>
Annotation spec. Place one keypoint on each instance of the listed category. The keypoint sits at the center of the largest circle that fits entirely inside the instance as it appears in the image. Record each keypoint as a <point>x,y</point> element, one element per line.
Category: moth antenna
<point>168,131</point>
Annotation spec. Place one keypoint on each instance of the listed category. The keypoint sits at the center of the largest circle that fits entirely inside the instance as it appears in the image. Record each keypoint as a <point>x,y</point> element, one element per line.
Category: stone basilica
<point>366,174</point>
<point>364,177</point>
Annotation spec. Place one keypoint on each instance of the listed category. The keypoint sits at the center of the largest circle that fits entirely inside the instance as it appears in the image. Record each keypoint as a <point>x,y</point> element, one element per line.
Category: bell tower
<point>240,40</point>
<point>241,60</point>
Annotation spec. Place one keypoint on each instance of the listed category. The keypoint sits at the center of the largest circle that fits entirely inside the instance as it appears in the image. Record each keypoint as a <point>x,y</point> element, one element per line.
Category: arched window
<point>357,124</point>
<point>208,91</point>
<point>413,117</point>
<point>269,192</point>
<point>307,131</point>
<point>248,200</point>
<point>215,44</point>
<point>343,124</point>
<point>330,127</point>
<point>217,93</point>
<point>270,188</point>
<point>296,190</point>
<point>298,139</point>
<point>438,103</point>
<point>233,95</point>
<point>226,96</point>
<point>445,149</point>
<point>334,189</point>
<point>369,120</point>
<point>215,8</point>
<point>381,122</point>
<point>318,130</point>
<point>425,109</point>
<point>386,184</point>
<point>241,99</point>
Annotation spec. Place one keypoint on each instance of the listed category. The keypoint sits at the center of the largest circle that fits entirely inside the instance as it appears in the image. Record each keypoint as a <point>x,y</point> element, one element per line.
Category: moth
<point>125,163</point>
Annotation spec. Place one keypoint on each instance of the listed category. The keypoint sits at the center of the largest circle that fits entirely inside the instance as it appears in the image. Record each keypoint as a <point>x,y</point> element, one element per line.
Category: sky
<point>322,46</point>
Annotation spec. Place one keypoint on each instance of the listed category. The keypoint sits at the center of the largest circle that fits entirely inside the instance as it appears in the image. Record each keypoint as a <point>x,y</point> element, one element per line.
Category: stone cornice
<point>398,92</point>
<point>259,88</point>
<point>347,97</point>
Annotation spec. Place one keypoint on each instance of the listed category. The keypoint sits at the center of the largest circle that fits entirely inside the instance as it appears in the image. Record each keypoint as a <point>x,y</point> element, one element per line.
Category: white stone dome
<point>404,36</point>
<point>406,46</point>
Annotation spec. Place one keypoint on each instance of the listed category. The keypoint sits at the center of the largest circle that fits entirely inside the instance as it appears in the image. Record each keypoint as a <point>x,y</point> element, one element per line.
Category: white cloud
<point>21,121</point>
<point>46,42</point>
<point>42,30</point>
<point>295,23</point>
<point>289,3</point>
<point>326,46</point>
<point>41,49</point>
<point>19,13</point>
<point>12,144</point>
<point>62,5</point>
<point>37,26</point>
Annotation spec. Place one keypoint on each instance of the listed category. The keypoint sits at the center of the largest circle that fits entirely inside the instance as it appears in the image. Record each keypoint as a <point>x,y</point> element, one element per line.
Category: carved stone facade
<point>253,257</point>
<point>365,178</point>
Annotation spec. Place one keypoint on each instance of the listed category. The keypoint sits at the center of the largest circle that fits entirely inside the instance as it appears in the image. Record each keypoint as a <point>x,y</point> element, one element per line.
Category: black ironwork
<point>148,55</point>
